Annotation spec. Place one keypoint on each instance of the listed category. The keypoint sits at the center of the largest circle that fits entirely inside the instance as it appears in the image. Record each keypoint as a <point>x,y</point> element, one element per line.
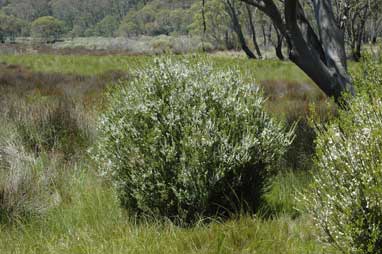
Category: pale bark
<point>253,30</point>
<point>279,45</point>
<point>232,11</point>
<point>322,57</point>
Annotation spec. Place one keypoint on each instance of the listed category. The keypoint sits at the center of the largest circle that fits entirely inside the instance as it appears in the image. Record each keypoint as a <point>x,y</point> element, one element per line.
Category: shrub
<point>183,140</point>
<point>346,197</point>
<point>162,44</point>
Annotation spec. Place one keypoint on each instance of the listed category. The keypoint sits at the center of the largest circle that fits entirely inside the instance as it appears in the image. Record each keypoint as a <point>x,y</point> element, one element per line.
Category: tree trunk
<point>264,35</point>
<point>253,30</point>
<point>279,45</point>
<point>374,39</point>
<point>231,9</point>
<point>269,34</point>
<point>322,58</point>
<point>359,32</point>
<point>331,75</point>
<point>204,25</point>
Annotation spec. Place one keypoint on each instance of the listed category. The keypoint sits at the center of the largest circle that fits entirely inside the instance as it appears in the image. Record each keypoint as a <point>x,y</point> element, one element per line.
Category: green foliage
<point>217,23</point>
<point>47,28</point>
<point>280,198</point>
<point>183,140</point>
<point>106,26</point>
<point>346,195</point>
<point>155,18</point>
<point>10,27</point>
<point>367,77</point>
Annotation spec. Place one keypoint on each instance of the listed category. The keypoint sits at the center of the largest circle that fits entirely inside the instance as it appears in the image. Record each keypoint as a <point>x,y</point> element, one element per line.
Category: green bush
<point>162,44</point>
<point>184,140</point>
<point>346,197</point>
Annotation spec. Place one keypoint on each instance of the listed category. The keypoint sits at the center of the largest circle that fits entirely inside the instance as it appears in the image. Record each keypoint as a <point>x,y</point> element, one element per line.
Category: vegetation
<point>90,65</point>
<point>11,27</point>
<point>27,180</point>
<point>53,199</point>
<point>345,197</point>
<point>80,212</point>
<point>224,24</point>
<point>47,28</point>
<point>184,141</point>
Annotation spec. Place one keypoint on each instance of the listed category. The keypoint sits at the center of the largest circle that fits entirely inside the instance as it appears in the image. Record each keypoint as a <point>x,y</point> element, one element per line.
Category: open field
<point>87,218</point>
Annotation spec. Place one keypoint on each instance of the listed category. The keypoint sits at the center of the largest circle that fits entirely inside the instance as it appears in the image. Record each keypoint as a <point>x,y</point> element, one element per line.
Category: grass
<point>294,89</point>
<point>89,219</point>
<point>80,65</point>
<point>95,65</point>
<point>92,222</point>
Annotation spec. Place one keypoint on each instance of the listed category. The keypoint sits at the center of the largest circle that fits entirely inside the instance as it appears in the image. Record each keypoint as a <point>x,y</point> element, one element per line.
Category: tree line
<point>229,23</point>
<point>315,33</point>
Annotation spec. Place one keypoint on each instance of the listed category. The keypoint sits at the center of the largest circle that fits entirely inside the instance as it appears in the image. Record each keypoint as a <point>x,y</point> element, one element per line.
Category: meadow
<point>54,101</point>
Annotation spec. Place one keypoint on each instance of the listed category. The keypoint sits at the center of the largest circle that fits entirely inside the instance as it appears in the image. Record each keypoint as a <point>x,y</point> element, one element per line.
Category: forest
<point>191,126</point>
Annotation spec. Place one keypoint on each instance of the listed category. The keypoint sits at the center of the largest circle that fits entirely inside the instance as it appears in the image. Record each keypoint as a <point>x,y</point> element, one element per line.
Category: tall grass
<point>92,222</point>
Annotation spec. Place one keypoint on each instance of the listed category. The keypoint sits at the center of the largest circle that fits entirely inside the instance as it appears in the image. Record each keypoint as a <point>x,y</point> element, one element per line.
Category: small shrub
<point>346,196</point>
<point>184,140</point>
<point>162,44</point>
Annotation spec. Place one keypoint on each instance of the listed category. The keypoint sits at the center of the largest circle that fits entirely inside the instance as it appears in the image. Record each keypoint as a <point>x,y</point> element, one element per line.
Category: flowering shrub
<point>182,140</point>
<point>346,197</point>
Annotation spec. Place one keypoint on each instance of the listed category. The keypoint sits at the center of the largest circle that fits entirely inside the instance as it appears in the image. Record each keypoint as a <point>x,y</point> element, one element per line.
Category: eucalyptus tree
<point>251,14</point>
<point>234,12</point>
<point>316,46</point>
<point>376,22</point>
<point>353,16</point>
<point>278,44</point>
<point>213,23</point>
